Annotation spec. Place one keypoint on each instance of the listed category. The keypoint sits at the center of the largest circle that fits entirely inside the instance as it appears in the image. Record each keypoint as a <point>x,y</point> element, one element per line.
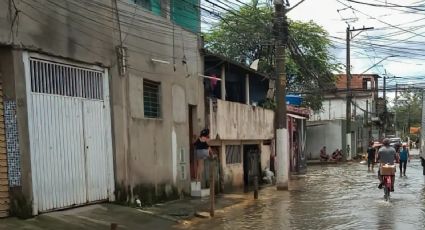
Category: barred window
<point>233,154</point>
<point>151,99</point>
<point>65,80</point>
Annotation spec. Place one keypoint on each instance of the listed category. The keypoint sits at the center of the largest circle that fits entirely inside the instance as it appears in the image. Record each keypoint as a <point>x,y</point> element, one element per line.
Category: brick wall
<point>4,185</point>
<point>356,81</point>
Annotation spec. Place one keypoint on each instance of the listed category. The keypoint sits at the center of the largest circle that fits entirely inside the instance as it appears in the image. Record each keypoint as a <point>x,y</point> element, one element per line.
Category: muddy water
<point>332,197</point>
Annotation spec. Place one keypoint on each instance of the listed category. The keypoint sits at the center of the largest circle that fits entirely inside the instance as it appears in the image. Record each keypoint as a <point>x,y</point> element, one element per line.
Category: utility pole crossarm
<point>360,30</point>
<point>287,11</point>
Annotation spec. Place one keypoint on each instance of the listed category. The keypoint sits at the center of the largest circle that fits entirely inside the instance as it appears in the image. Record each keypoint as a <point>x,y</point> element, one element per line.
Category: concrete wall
<point>232,173</point>
<point>236,121</point>
<point>68,29</point>
<point>266,151</point>
<point>14,88</point>
<point>149,153</point>
<point>324,133</point>
<point>336,108</point>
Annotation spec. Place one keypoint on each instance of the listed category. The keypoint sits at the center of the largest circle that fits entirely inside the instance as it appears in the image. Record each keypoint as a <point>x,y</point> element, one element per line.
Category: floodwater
<point>343,196</point>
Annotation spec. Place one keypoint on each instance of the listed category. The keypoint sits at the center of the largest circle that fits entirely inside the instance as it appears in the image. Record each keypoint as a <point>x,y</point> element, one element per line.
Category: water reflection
<point>332,197</point>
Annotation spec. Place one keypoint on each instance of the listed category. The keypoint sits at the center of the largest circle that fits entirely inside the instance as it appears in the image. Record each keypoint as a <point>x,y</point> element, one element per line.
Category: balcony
<point>236,121</point>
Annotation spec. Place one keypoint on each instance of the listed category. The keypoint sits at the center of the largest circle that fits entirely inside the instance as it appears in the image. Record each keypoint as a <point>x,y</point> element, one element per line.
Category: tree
<point>408,111</point>
<point>248,34</point>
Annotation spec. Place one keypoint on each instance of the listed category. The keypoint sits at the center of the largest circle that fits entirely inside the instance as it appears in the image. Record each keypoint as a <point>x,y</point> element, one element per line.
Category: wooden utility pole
<point>282,153</point>
<point>212,186</point>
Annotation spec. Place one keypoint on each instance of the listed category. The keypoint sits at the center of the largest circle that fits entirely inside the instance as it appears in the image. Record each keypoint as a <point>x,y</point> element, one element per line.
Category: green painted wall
<point>156,7</point>
<point>152,5</point>
<point>186,13</point>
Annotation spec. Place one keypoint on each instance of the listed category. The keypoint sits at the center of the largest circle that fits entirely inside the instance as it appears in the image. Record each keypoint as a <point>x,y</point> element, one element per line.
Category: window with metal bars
<point>151,99</point>
<point>233,154</point>
<point>65,80</point>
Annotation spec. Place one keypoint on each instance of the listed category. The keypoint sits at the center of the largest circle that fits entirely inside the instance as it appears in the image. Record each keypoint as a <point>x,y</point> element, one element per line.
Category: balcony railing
<point>236,121</point>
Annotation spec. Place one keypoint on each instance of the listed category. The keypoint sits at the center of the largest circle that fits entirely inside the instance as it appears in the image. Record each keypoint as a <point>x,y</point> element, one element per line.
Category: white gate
<point>70,133</point>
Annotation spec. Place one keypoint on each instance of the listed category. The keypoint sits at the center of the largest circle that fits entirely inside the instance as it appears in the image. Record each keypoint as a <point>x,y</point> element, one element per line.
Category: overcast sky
<point>404,27</point>
<point>395,47</point>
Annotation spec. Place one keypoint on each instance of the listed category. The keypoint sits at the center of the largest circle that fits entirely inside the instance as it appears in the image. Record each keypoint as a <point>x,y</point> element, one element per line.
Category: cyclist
<point>386,155</point>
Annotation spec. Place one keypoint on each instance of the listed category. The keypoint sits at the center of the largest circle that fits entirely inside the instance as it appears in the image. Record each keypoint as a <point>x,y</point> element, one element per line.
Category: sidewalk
<point>101,216</point>
<point>96,217</point>
<point>184,210</point>
<point>319,162</point>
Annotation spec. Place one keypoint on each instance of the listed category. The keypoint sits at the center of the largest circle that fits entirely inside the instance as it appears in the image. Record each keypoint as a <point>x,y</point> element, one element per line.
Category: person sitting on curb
<point>323,155</point>
<point>337,155</point>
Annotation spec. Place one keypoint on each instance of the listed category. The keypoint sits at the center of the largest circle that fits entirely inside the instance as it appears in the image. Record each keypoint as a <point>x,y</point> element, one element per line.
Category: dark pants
<point>370,162</point>
<point>423,165</point>
<point>403,164</point>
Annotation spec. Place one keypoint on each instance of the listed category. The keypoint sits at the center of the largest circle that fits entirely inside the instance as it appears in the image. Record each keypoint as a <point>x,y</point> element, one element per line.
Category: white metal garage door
<point>70,134</point>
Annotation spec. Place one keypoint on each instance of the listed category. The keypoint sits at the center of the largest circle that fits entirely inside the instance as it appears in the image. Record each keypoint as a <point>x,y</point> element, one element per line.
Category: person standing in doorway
<point>202,152</point>
<point>404,157</point>
<point>371,156</point>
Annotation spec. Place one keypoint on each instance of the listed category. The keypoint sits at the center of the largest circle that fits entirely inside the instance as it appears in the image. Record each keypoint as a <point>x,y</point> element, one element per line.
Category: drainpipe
<point>223,82</point>
<point>247,99</point>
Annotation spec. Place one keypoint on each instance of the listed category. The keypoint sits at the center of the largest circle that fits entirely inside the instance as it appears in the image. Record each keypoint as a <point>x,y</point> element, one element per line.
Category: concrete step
<point>197,191</point>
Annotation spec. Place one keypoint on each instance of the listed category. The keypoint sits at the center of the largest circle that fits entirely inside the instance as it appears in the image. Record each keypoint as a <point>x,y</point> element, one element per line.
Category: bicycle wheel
<point>386,193</point>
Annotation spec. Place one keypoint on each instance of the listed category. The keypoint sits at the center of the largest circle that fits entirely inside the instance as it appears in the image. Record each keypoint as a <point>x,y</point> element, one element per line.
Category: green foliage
<point>247,34</point>
<point>408,110</point>
<point>268,104</point>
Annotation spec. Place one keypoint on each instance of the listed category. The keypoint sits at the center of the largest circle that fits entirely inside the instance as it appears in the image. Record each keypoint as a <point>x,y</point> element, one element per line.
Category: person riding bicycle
<point>386,155</point>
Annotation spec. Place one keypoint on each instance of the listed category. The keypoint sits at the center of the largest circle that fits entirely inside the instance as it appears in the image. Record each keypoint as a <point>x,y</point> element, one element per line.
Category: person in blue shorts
<point>404,158</point>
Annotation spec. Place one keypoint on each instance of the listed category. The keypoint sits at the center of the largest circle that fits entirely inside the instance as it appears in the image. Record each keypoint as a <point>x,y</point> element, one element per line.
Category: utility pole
<point>282,151</point>
<point>349,95</point>
<point>385,106</point>
<point>395,112</point>
<point>422,135</point>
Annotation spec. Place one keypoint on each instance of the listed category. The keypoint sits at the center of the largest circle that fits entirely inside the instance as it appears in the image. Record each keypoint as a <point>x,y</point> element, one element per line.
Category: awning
<point>296,116</point>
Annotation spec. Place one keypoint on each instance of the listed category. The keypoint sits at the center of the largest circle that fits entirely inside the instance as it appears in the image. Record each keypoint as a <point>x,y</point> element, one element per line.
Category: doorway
<point>192,138</point>
<point>251,164</point>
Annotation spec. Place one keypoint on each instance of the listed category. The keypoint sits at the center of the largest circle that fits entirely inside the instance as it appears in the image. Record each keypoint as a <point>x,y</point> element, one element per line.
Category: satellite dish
<point>254,64</point>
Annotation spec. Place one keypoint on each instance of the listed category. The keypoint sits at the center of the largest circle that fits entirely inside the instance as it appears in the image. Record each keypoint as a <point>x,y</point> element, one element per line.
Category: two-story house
<point>242,125</point>
<point>327,127</point>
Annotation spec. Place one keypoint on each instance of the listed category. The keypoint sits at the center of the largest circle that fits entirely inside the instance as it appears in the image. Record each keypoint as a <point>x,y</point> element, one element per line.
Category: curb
<point>165,217</point>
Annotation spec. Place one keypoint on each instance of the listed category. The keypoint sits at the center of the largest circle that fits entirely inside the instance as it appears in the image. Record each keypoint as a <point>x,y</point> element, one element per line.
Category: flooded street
<point>343,196</point>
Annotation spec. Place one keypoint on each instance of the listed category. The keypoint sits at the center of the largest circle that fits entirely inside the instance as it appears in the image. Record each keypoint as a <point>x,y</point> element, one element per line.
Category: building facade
<point>241,131</point>
<point>332,118</point>
<point>100,97</point>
